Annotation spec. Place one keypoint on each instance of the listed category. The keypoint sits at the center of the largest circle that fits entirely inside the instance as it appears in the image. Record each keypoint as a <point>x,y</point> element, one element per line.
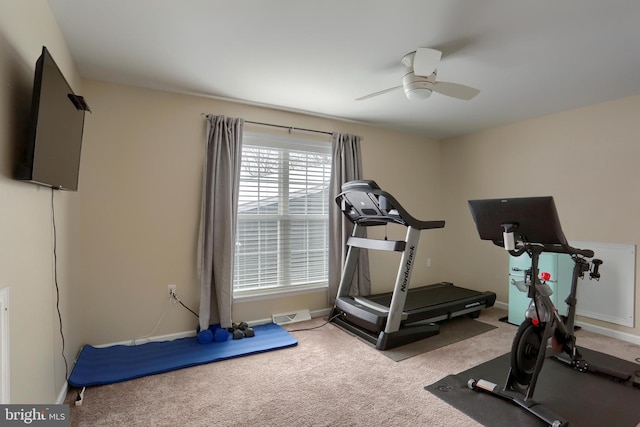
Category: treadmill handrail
<point>377,244</point>
<point>381,216</point>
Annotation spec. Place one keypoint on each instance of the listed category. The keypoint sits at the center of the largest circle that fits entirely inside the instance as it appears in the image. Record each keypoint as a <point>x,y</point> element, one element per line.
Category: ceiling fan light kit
<point>417,93</point>
<point>417,87</point>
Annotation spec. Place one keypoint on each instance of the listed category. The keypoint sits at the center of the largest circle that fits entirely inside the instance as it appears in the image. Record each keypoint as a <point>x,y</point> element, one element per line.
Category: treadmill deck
<point>422,297</point>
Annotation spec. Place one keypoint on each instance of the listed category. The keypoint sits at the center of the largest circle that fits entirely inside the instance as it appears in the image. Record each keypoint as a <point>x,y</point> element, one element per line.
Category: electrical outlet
<point>428,262</point>
<point>172,290</point>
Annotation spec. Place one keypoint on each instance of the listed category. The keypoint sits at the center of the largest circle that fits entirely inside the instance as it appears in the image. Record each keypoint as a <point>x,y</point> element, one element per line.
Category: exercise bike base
<point>583,365</point>
<point>535,408</point>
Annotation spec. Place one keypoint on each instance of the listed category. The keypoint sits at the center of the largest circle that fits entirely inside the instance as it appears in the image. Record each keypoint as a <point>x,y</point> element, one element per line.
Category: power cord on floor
<point>316,327</point>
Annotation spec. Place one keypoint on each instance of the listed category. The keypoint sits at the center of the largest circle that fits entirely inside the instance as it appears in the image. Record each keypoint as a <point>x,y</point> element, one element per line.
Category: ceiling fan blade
<point>425,61</point>
<point>371,95</point>
<point>455,90</point>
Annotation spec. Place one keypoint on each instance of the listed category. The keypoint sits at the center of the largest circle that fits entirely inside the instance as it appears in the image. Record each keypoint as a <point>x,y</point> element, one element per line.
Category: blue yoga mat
<point>107,365</point>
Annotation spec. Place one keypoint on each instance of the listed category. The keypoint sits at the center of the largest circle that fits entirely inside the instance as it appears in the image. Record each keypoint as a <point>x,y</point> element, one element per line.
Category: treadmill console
<point>364,203</point>
<point>360,203</point>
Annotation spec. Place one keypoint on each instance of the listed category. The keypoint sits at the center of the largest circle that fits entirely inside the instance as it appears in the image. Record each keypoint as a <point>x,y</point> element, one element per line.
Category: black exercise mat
<point>585,399</point>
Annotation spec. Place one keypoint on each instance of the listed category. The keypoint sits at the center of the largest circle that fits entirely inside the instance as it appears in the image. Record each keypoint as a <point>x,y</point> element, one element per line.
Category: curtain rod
<point>291,128</point>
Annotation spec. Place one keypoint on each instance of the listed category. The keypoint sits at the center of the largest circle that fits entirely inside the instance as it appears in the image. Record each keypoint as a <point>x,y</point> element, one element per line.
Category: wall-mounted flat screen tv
<point>51,155</point>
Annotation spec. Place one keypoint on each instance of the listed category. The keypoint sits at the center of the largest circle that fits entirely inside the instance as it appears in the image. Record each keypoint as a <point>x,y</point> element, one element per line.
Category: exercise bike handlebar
<point>559,249</point>
<point>587,253</point>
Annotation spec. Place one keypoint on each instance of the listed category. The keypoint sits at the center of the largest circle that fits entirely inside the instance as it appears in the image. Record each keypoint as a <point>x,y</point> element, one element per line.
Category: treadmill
<point>407,314</point>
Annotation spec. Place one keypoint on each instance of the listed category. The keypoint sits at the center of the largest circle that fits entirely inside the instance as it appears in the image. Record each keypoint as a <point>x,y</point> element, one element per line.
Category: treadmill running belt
<point>425,296</point>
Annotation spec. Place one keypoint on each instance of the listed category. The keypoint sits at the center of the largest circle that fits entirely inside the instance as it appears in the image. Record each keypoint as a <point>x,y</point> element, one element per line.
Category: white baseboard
<point>501,305</point>
<point>321,313</point>
<point>623,336</point>
<point>63,393</point>
<point>314,314</point>
<point>145,340</point>
<point>169,337</point>
<point>607,332</point>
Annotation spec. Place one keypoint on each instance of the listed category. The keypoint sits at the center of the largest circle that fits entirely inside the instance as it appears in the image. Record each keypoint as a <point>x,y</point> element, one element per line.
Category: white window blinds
<point>282,228</point>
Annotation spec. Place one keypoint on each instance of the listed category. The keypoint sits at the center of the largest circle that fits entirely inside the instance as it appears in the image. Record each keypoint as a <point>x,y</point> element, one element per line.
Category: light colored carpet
<point>329,379</point>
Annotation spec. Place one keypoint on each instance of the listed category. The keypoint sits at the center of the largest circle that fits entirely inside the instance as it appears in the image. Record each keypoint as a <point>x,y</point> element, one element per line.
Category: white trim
<point>139,341</point>
<point>62,396</point>
<point>607,332</point>
<point>501,305</point>
<point>314,314</point>
<point>185,334</point>
<point>623,336</point>
<point>321,312</point>
<point>277,292</point>
<point>5,381</point>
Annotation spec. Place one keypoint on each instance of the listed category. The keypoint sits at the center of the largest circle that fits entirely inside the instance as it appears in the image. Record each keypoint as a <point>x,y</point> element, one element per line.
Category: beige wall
<point>586,158</point>
<point>37,370</point>
<point>141,178</point>
<point>132,227</point>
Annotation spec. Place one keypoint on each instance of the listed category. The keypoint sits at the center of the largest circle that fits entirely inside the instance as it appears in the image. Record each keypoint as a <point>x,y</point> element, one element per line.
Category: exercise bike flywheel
<point>524,352</point>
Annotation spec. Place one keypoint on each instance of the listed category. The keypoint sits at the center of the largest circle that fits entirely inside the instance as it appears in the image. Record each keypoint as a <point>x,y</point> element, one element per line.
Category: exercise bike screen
<point>536,219</point>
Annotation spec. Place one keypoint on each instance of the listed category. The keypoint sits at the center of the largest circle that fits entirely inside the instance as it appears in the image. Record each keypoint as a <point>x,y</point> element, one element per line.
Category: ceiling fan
<point>419,79</point>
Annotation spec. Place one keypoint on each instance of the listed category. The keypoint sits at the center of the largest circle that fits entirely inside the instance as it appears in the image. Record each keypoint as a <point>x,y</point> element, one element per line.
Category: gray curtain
<point>216,246</point>
<point>347,166</point>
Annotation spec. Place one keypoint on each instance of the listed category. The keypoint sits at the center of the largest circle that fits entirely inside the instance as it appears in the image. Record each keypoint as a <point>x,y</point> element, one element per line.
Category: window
<point>282,240</point>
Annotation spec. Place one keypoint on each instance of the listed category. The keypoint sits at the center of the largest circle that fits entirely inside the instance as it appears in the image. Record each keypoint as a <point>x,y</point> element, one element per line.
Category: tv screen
<point>51,155</point>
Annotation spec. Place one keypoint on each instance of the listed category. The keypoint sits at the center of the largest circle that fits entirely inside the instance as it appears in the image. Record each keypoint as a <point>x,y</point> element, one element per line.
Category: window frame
<point>282,142</point>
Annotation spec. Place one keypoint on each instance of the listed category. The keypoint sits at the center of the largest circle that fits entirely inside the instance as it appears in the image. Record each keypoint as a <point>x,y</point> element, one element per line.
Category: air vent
<point>291,317</point>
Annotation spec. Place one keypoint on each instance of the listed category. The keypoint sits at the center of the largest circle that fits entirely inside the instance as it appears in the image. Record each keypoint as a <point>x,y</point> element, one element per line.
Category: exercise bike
<point>531,226</point>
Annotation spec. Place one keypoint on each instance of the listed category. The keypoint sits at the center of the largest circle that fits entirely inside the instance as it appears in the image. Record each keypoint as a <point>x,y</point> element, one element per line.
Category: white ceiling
<point>528,58</point>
